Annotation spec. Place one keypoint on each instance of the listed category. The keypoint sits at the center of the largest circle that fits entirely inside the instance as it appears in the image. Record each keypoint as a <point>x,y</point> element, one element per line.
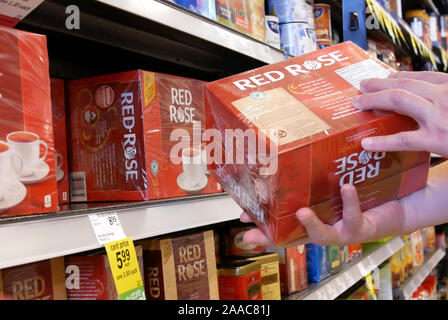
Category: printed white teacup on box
<point>9,162</point>
<point>192,165</point>
<point>27,145</point>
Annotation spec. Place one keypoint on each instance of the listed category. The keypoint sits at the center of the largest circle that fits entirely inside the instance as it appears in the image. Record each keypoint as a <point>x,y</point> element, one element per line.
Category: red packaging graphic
<point>131,138</point>
<point>285,136</point>
<point>44,280</point>
<point>354,251</point>
<point>60,138</point>
<point>27,170</point>
<point>90,277</point>
<point>242,16</point>
<point>293,275</point>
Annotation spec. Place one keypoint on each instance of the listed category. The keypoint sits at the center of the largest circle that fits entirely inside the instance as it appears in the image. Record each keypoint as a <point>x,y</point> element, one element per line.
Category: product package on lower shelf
<point>317,264</point>
<point>240,280</point>
<point>270,272</point>
<point>181,268</point>
<point>90,277</point>
<point>293,269</point>
<point>43,280</point>
<point>293,121</point>
<point>334,259</point>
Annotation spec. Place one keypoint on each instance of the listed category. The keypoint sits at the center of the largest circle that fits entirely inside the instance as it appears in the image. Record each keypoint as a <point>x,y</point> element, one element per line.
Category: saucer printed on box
<point>40,173</point>
<point>13,194</point>
<point>187,187</point>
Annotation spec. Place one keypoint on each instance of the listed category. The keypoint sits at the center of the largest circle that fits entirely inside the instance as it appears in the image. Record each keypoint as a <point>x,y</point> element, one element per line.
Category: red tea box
<point>132,138</point>
<point>181,268</point>
<point>293,274</point>
<point>27,160</point>
<point>60,138</point>
<point>285,136</point>
<point>240,280</point>
<point>90,277</point>
<point>43,280</point>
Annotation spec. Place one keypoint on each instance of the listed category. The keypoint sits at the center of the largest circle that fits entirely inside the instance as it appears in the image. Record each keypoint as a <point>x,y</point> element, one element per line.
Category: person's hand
<point>354,227</point>
<point>422,96</point>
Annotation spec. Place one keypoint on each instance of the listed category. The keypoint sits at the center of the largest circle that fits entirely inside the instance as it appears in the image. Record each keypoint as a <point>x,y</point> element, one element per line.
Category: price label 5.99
<point>125,270</point>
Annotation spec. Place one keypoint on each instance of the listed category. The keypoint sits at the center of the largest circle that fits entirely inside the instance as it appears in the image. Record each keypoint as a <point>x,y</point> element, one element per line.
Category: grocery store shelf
<point>337,284</point>
<point>412,283</point>
<point>195,25</point>
<point>55,235</point>
<point>150,34</point>
<point>412,44</point>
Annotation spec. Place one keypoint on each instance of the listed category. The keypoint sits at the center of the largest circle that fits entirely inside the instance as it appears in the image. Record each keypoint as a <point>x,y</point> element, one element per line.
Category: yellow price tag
<point>125,270</point>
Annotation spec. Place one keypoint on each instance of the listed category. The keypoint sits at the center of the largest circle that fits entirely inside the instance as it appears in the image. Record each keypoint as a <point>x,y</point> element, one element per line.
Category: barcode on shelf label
<point>107,227</point>
<point>78,190</point>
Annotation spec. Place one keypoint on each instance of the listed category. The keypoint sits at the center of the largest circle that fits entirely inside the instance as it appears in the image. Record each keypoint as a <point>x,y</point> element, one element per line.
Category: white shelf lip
<point>331,288</point>
<point>416,280</point>
<point>43,239</point>
<point>202,28</point>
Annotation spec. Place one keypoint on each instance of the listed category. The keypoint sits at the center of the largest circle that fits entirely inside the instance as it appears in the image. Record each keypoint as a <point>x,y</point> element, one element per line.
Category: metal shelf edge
<point>38,240</point>
<point>207,30</point>
<point>331,288</point>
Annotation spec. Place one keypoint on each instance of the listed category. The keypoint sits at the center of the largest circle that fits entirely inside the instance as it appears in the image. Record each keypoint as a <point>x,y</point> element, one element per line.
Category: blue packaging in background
<point>189,4</point>
<point>289,11</point>
<point>206,8</point>
<point>317,266</point>
<point>297,38</point>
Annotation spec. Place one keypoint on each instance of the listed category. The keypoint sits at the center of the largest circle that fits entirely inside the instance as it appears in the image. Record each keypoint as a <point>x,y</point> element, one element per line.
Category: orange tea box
<point>285,136</point>
<point>60,138</point>
<point>27,160</point>
<point>132,137</point>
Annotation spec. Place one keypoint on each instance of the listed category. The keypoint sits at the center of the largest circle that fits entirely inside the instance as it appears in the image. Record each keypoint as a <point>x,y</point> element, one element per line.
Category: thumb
<point>318,232</point>
<point>351,214</point>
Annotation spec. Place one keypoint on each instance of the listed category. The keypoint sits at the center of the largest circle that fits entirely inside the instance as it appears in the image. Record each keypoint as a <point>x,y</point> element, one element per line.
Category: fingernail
<point>367,143</point>
<point>356,101</point>
<point>301,215</point>
<point>363,84</point>
<point>346,188</point>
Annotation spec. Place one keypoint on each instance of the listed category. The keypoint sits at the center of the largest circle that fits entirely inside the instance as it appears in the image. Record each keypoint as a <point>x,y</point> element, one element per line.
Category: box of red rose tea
<point>27,158</point>
<point>285,136</point>
<point>137,136</point>
<point>60,138</point>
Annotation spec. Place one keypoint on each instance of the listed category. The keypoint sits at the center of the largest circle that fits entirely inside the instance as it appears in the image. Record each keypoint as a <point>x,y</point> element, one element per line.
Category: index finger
<point>398,100</point>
